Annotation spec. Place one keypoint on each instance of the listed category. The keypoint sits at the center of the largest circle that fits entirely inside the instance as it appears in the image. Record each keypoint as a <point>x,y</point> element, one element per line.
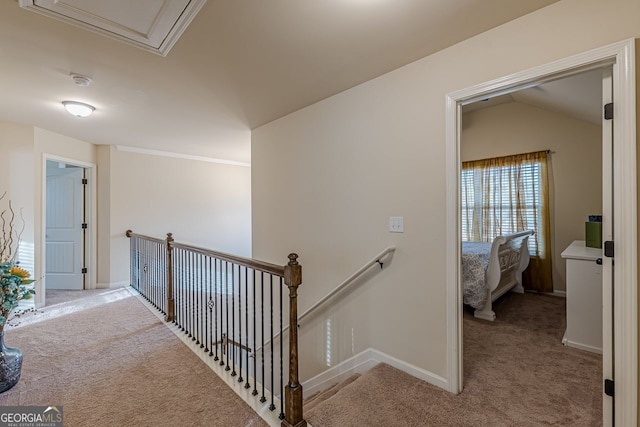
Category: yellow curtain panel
<point>503,195</point>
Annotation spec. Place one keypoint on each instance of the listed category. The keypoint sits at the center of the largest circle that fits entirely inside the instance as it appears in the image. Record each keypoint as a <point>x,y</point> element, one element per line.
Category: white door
<point>607,235</point>
<point>64,242</point>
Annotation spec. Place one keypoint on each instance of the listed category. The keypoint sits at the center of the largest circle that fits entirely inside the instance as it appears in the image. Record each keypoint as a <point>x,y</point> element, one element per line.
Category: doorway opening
<point>69,224</point>
<point>533,160</point>
<point>623,352</point>
<point>65,226</point>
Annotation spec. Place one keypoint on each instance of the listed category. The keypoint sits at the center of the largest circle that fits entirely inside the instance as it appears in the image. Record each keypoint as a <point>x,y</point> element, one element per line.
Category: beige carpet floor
<point>58,296</point>
<point>517,373</point>
<point>110,362</point>
<point>116,364</point>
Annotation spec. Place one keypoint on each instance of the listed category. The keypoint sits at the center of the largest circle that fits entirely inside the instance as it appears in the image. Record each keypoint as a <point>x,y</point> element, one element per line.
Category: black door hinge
<point>608,111</point>
<point>608,249</point>
<point>84,226</point>
<point>609,388</point>
<point>84,270</point>
<point>85,181</point>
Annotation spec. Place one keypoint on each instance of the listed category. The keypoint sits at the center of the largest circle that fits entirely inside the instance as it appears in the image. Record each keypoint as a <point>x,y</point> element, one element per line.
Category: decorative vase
<point>10,365</point>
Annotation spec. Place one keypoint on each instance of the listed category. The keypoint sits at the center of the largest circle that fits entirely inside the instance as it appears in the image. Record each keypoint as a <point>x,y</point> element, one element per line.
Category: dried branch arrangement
<point>10,237</point>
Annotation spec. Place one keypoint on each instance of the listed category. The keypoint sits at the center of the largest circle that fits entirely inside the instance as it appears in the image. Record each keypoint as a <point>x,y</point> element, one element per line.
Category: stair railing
<point>227,304</point>
<point>376,260</point>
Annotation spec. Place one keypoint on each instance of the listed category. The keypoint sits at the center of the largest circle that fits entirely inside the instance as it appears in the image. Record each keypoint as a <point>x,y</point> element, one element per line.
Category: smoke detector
<point>80,80</point>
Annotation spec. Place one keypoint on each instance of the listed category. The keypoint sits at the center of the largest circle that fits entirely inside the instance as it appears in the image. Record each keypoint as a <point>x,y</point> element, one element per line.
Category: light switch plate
<point>396,224</point>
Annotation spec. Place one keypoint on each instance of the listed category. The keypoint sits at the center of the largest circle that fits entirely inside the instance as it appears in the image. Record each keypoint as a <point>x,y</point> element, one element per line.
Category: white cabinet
<point>584,297</point>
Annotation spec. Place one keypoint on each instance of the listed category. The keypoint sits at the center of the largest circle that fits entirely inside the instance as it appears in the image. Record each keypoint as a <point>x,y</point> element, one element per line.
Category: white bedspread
<point>475,259</point>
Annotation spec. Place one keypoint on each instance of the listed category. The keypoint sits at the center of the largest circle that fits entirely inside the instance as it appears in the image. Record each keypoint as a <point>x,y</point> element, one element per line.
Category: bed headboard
<point>512,253</point>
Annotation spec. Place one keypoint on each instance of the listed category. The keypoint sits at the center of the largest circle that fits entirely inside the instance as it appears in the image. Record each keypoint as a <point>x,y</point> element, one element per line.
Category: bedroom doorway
<point>540,156</point>
<point>622,163</point>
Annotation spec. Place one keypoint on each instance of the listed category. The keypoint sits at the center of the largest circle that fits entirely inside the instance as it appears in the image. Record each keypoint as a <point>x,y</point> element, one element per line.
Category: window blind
<point>502,199</point>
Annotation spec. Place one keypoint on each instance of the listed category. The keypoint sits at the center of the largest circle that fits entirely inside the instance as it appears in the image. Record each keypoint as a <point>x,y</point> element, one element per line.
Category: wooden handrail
<point>274,269</point>
<point>277,270</point>
<point>375,260</point>
<point>130,234</point>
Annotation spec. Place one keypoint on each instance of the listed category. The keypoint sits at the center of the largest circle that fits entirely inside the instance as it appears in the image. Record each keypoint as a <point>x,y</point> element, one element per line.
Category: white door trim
<point>622,55</point>
<point>607,234</point>
<point>92,214</point>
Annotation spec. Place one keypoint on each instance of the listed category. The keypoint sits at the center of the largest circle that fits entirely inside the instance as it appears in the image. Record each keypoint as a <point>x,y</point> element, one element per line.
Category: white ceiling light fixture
<point>78,109</point>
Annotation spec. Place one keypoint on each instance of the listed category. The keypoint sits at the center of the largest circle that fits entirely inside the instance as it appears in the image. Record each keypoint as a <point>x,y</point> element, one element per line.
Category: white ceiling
<point>578,96</point>
<point>240,64</point>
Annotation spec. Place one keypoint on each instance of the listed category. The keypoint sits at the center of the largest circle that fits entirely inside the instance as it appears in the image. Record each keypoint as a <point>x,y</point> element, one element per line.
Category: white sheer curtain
<point>503,195</point>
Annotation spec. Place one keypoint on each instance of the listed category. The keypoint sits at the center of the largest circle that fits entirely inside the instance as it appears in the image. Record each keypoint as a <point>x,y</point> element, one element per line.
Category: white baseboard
<point>361,363</point>
<point>112,285</point>
<point>358,364</point>
<point>580,346</point>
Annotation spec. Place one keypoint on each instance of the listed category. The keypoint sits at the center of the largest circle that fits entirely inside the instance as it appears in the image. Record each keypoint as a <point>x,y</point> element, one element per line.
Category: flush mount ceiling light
<point>78,109</point>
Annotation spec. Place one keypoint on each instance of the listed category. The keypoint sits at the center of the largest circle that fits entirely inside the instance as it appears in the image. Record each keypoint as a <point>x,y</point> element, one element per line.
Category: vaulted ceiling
<point>238,65</point>
<point>578,96</point>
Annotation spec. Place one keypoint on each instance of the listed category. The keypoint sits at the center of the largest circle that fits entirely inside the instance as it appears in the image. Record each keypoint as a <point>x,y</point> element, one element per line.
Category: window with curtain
<point>504,195</point>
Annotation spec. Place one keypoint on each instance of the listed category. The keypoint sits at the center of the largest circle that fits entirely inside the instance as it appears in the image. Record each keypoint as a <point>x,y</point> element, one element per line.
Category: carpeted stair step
<point>319,397</point>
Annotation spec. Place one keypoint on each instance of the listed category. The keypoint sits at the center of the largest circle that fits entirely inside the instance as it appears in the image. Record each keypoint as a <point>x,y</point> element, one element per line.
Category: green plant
<point>13,281</point>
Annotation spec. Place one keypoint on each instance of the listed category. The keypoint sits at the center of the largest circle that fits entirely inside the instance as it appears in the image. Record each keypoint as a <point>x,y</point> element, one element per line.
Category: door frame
<point>91,216</point>
<point>74,201</point>
<point>622,56</point>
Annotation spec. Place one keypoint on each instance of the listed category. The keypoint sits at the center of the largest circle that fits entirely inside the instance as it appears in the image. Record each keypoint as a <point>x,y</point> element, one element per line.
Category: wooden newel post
<point>293,416</point>
<point>132,262</point>
<point>170,316</point>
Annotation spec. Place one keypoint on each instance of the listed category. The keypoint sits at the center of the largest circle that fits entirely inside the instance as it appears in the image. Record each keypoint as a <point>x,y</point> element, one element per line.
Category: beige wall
<point>575,166</point>
<point>47,142</point>
<point>201,203</point>
<point>103,200</point>
<point>23,148</point>
<point>16,178</point>
<point>327,177</point>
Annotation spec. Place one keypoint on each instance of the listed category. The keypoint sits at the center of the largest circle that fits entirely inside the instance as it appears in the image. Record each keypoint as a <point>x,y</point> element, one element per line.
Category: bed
<point>491,269</point>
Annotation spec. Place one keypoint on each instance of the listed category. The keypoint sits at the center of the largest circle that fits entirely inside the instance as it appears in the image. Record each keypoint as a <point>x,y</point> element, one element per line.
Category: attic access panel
<point>153,25</point>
